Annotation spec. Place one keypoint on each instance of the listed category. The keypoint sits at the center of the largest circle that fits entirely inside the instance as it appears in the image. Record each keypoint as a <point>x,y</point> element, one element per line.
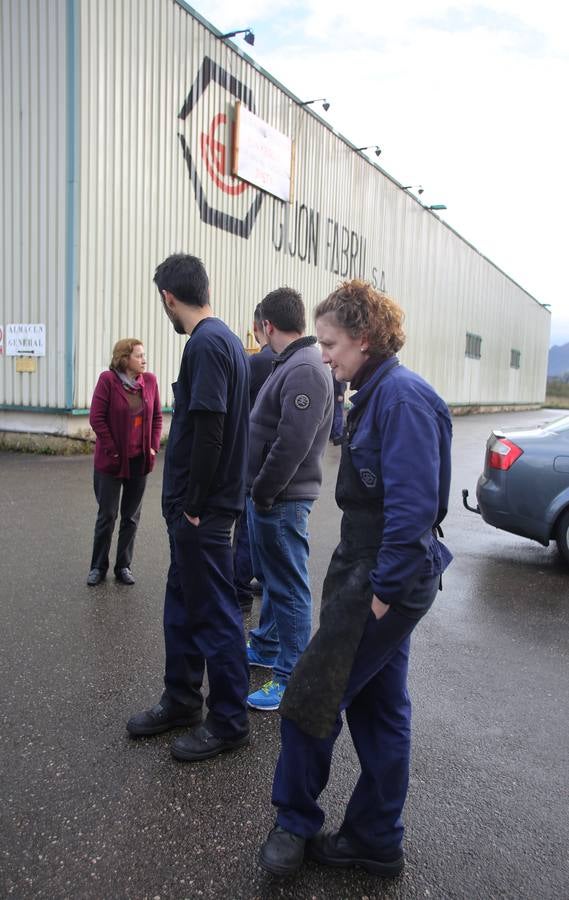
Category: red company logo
<point>214,147</point>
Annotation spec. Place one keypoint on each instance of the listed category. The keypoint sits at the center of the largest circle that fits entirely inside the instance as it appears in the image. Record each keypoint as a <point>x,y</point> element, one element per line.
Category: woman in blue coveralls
<point>392,488</point>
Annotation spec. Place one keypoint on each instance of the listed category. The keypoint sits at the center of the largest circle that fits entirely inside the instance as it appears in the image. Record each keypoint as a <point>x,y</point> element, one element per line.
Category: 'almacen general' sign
<point>24,339</point>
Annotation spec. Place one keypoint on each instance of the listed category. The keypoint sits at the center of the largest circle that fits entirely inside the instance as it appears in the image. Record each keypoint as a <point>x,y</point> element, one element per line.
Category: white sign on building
<point>25,339</point>
<point>262,155</point>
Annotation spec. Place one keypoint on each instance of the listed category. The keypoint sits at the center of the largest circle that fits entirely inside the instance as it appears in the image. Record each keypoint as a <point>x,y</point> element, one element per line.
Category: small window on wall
<point>473,345</point>
<point>515,357</point>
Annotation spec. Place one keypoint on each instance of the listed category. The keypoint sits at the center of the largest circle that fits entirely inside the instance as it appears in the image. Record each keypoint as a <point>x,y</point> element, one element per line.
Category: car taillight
<point>503,454</point>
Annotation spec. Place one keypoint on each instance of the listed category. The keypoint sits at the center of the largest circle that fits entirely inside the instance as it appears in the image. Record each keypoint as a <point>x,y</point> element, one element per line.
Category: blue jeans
<point>279,553</point>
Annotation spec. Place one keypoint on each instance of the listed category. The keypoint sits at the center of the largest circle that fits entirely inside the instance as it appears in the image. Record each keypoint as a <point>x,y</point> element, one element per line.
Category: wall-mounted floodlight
<point>373,147</point>
<point>414,187</point>
<point>249,36</point>
<point>436,206</point>
<point>325,104</point>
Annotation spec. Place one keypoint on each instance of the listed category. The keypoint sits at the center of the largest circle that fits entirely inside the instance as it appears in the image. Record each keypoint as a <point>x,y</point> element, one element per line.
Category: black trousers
<point>108,494</point>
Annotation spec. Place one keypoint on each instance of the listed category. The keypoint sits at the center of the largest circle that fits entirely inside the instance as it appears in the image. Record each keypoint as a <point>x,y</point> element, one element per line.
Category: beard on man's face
<point>176,322</point>
<point>178,327</point>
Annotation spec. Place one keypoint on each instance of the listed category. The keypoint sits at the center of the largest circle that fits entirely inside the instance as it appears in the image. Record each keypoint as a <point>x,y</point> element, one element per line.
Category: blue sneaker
<point>255,659</point>
<point>269,697</point>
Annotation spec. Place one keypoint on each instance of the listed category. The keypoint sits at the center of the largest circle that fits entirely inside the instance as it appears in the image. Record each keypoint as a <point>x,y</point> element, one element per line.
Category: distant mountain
<point>558,360</point>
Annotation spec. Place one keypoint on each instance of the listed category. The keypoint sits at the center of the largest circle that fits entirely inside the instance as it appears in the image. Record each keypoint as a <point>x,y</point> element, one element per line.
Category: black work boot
<point>162,717</point>
<point>336,849</point>
<point>282,853</point>
<point>200,744</point>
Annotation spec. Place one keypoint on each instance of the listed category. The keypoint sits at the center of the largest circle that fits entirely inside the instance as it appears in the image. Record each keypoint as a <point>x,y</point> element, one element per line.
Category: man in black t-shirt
<point>203,493</point>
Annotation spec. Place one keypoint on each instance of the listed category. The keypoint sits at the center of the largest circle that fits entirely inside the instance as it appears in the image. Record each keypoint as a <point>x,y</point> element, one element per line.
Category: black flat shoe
<point>125,576</point>
<point>202,744</point>
<point>282,854</point>
<point>94,577</point>
<point>334,849</point>
<point>160,718</point>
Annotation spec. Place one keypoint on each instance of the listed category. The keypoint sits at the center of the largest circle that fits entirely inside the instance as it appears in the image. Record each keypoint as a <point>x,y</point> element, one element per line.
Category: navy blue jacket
<point>401,449</point>
<point>260,367</point>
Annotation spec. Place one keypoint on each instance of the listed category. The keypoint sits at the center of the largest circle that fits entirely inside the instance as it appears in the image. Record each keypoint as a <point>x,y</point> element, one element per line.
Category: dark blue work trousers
<point>203,625</point>
<point>378,713</point>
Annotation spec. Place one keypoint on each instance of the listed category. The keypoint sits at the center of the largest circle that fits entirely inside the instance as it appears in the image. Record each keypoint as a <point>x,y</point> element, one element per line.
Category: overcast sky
<point>468,100</point>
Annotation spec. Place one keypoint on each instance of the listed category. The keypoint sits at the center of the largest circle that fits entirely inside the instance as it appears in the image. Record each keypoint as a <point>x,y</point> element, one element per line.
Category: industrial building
<point>134,130</point>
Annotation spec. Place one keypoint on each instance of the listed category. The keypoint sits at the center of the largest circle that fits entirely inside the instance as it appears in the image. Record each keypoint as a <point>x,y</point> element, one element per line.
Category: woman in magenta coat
<point>126,417</point>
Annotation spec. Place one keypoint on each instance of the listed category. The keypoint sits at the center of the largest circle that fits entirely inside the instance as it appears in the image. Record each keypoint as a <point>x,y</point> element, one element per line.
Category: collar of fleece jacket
<point>292,348</point>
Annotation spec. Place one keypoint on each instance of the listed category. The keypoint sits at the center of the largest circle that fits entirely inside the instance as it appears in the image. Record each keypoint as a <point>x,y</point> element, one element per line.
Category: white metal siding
<point>138,63</point>
<point>33,140</point>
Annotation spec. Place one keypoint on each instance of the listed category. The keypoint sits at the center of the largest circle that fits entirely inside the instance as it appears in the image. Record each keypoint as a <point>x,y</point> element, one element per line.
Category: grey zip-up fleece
<point>290,426</point>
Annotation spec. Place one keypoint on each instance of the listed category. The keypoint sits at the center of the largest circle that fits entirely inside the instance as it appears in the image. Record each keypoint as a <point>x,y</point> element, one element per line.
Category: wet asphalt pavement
<point>87,812</point>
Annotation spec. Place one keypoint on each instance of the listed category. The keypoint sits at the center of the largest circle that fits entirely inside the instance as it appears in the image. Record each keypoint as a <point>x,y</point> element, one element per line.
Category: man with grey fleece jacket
<point>289,429</point>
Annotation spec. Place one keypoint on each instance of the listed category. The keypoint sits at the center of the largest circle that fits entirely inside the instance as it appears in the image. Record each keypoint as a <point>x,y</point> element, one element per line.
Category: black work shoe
<point>94,577</point>
<point>125,575</point>
<point>202,744</point>
<point>282,853</point>
<point>334,849</point>
<point>160,718</point>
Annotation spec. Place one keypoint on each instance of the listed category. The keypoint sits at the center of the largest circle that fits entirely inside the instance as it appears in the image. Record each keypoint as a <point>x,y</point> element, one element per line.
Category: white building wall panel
<point>33,143</point>
<point>155,87</point>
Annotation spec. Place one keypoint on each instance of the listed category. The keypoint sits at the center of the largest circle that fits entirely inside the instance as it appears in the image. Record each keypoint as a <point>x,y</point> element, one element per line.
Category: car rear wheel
<point>562,536</point>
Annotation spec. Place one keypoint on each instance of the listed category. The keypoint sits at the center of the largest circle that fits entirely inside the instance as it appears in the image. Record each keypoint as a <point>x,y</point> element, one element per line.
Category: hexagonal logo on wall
<point>224,201</point>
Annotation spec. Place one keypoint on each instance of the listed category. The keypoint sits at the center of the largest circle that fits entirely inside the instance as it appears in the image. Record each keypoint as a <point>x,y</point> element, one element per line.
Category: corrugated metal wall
<point>154,85</point>
<point>139,61</point>
<point>33,141</point>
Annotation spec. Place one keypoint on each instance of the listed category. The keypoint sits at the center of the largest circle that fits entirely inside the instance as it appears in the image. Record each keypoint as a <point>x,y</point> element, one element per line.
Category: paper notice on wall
<point>25,339</point>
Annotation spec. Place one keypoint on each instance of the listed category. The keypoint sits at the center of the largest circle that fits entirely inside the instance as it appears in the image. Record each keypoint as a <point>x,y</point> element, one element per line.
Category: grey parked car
<point>524,488</point>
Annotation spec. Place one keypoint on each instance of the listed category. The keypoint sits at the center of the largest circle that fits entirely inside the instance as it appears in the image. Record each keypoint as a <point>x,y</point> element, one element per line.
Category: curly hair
<point>361,310</point>
<point>121,353</point>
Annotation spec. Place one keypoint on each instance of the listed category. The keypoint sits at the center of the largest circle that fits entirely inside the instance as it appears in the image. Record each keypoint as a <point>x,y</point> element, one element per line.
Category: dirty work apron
<point>318,682</point>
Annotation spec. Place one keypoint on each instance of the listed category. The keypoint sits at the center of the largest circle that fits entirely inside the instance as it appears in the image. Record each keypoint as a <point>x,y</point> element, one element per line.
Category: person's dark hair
<point>361,310</point>
<point>258,318</point>
<point>284,309</point>
<point>122,352</point>
<point>185,277</point>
